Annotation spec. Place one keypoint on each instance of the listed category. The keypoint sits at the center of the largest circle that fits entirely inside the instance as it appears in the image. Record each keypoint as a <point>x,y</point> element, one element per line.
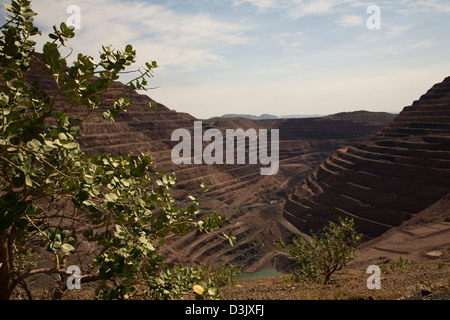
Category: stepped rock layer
<point>386,180</point>
<point>253,203</point>
<point>425,236</point>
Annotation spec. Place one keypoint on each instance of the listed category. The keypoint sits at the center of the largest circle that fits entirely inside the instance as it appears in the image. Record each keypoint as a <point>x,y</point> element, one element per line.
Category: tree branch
<point>84,279</point>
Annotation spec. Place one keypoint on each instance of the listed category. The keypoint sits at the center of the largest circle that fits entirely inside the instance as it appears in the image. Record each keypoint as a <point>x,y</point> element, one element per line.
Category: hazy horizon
<point>270,56</point>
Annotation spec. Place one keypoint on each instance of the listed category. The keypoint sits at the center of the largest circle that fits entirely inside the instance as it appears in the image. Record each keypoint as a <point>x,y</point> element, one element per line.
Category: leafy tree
<point>326,252</point>
<point>106,214</point>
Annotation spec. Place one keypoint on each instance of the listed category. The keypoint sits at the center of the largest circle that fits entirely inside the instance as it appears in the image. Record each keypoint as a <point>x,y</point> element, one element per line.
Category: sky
<point>269,56</point>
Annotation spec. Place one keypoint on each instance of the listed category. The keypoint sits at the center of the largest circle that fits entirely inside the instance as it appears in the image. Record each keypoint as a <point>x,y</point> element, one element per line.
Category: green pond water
<point>262,273</point>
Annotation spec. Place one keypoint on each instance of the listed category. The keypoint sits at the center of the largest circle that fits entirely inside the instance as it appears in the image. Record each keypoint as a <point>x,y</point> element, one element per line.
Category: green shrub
<point>324,253</point>
<point>403,264</point>
<point>222,276</point>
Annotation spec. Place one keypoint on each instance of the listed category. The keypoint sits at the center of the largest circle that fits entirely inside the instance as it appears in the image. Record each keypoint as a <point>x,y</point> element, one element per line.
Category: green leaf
<point>34,145</point>
<point>51,232</point>
<point>49,146</point>
<point>66,234</point>
<point>111,197</point>
<point>129,49</point>
<point>106,114</point>
<point>8,7</point>
<point>70,145</point>
<point>62,137</point>
<point>28,181</point>
<point>4,99</point>
<point>66,247</point>
<point>56,245</point>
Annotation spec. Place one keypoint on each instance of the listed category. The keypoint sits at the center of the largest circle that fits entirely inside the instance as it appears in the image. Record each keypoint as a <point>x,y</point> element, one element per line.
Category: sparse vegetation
<point>403,264</point>
<point>223,275</point>
<point>349,284</point>
<point>213,278</point>
<point>324,253</point>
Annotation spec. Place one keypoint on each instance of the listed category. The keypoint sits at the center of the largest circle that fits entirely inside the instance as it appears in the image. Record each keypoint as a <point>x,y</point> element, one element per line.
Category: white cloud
<point>350,21</point>
<point>295,9</point>
<point>262,5</point>
<point>425,5</point>
<point>289,42</point>
<point>424,44</point>
<point>314,71</point>
<point>396,31</point>
<point>171,38</point>
<point>319,7</point>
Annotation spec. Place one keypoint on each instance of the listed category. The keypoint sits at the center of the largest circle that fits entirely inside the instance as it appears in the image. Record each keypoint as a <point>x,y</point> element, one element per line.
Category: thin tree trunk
<point>6,254</point>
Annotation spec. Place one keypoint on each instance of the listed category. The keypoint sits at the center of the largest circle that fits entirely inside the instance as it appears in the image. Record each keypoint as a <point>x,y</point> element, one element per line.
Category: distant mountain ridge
<point>261,117</point>
<point>364,116</point>
<point>359,115</point>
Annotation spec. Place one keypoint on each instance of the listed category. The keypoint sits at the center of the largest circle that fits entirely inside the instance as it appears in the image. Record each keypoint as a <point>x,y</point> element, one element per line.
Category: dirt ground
<point>414,260</point>
<point>407,280</point>
<point>400,279</point>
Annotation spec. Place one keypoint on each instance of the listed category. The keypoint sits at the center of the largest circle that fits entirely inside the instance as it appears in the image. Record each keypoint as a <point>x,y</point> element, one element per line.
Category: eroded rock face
<point>253,203</point>
<point>261,209</point>
<point>386,180</point>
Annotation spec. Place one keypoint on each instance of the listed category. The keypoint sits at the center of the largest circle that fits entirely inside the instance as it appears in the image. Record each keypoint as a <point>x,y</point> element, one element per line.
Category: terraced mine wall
<point>386,180</point>
<point>254,204</point>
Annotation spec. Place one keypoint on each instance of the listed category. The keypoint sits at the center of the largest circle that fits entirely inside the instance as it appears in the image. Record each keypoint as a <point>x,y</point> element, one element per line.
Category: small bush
<point>222,276</point>
<point>326,251</point>
<point>403,264</point>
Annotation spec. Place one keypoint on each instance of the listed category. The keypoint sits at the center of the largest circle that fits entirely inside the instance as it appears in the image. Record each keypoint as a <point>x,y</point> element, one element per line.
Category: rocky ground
<point>425,280</point>
<point>428,279</point>
<point>414,259</point>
